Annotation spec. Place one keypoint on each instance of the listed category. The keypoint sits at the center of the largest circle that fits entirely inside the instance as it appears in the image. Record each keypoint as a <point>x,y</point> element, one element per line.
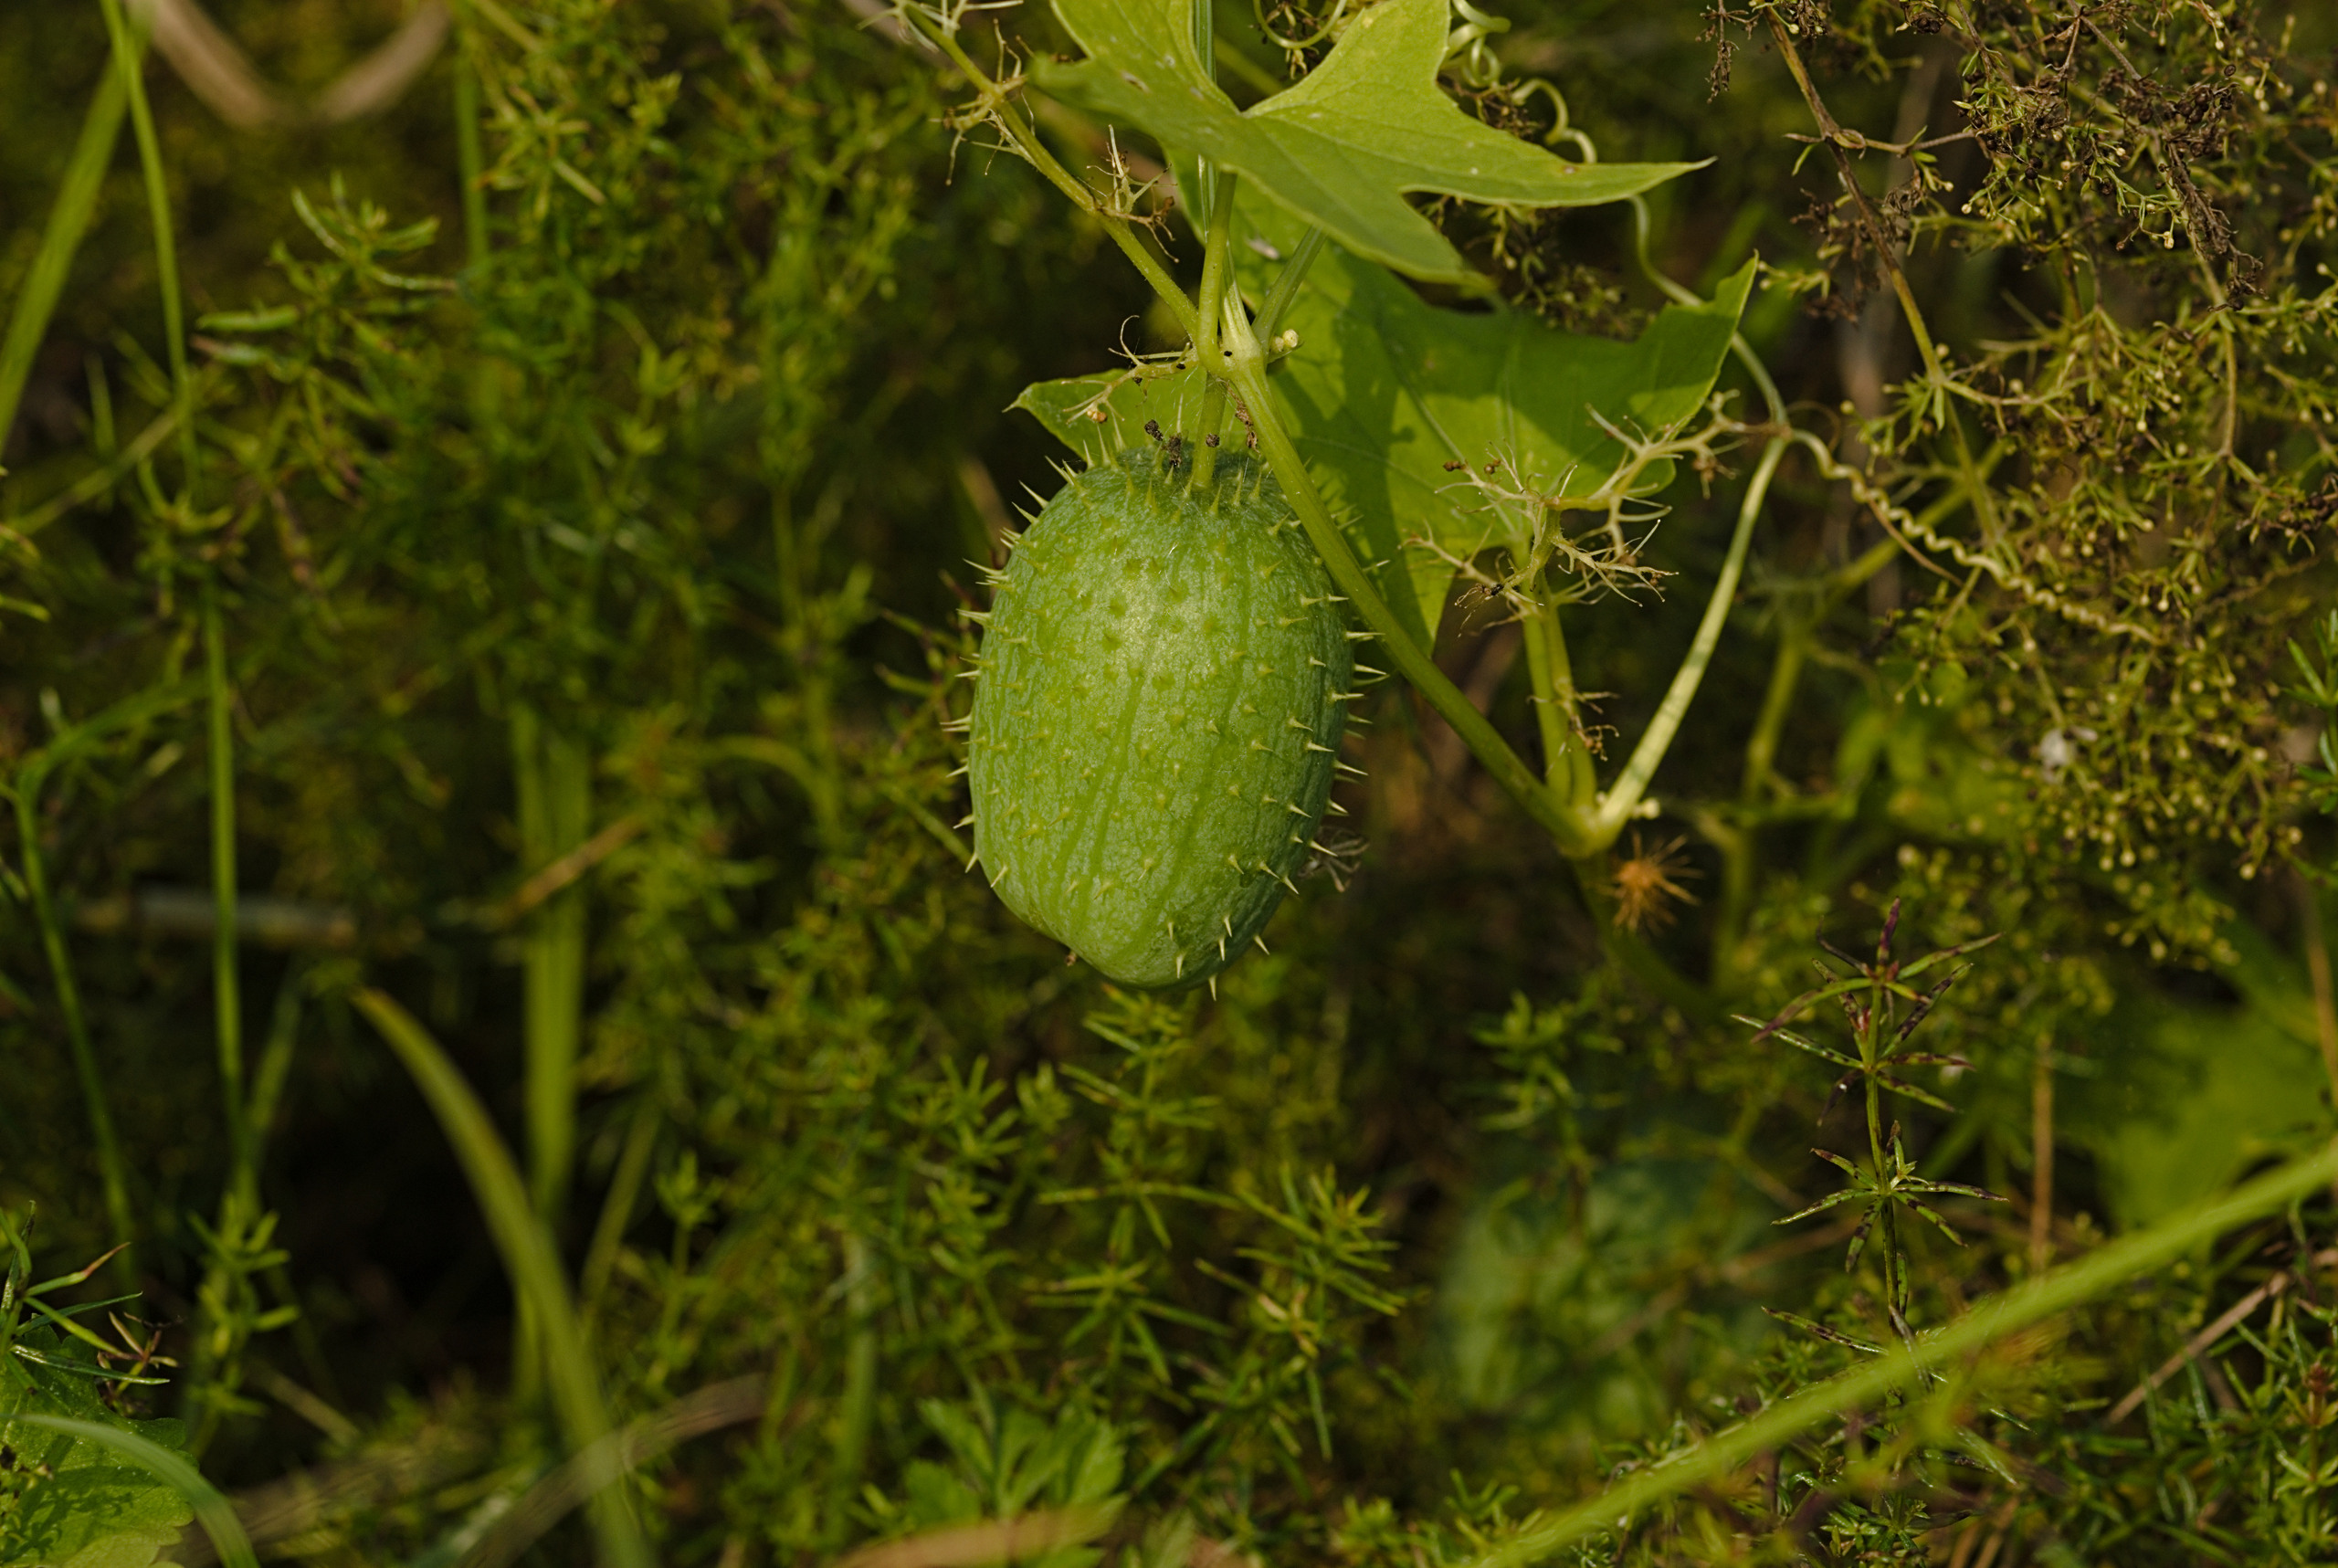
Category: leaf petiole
<point>1617,806</point>
<point>1568,828</point>
<point>1218,276</point>
<point>1287,282</point>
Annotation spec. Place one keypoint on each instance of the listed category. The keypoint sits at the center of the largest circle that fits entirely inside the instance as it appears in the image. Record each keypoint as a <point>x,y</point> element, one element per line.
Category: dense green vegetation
<point>488,955</point>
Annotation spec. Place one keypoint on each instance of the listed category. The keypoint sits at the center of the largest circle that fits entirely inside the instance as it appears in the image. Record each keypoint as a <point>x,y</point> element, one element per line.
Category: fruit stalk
<point>1208,352</point>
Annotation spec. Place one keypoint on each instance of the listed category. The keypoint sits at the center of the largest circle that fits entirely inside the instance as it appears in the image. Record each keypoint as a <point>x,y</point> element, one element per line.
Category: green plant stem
<point>1566,764</point>
<point>553,778</point>
<point>1623,798</point>
<point>857,1410</point>
<point>228,1016</point>
<point>129,50</point>
<point>1903,1365</point>
<point>132,713</point>
<point>1540,668</point>
<point>1517,780</point>
<point>1217,266</point>
<point>1869,1036</point>
<point>1762,749</point>
<point>238,1209</point>
<point>1737,839</point>
<point>1204,19</point>
<point>1026,141</point>
<point>528,1255</point>
<point>60,239</point>
<point>1286,285</point>
<point>469,163</point>
<point>274,1062</point>
<point>112,1174</point>
<point>1832,134</point>
<point>617,1208</point>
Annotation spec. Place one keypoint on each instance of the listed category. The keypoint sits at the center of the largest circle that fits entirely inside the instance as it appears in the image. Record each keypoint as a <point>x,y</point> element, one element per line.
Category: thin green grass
<point>33,772</point>
<point>60,240</point>
<point>528,1256</point>
<point>129,56</point>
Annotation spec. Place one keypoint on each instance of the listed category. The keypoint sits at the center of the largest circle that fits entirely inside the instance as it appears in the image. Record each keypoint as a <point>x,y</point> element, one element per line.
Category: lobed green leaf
<point>1385,390</point>
<point>1342,147</point>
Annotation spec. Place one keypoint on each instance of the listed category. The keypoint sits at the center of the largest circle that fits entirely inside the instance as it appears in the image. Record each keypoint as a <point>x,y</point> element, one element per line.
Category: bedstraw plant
<point>504,515</point>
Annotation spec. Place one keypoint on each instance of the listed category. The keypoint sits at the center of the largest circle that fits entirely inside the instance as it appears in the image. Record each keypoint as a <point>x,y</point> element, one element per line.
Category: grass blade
<point>131,713</point>
<point>243,1181</point>
<point>129,56</point>
<point>68,220</point>
<point>528,1255</point>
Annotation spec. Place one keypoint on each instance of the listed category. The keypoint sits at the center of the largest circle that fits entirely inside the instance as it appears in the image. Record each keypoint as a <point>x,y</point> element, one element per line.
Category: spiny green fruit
<point>1151,748</point>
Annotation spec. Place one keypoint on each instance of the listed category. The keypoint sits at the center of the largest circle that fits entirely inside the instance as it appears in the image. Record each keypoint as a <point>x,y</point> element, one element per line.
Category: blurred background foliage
<point>585,538</point>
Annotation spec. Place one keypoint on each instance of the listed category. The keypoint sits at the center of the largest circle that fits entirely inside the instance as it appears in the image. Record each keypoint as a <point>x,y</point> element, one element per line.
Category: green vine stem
<point>1621,801</point>
<point>1734,832</point>
<point>1287,282</point>
<point>1249,373</point>
<point>1579,828</point>
<point>1785,673</point>
<point>1566,762</point>
<point>998,104</point>
<point>1904,1365</point>
<point>1217,266</point>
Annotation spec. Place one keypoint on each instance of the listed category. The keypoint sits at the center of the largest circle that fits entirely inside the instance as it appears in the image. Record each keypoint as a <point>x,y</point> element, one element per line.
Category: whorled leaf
<point>1341,148</point>
<point>1385,390</point>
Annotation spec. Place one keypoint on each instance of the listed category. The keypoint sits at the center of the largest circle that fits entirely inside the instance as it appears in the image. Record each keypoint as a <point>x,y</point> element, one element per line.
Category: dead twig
<point>2232,1317</point>
<point>216,70</point>
<point>560,873</point>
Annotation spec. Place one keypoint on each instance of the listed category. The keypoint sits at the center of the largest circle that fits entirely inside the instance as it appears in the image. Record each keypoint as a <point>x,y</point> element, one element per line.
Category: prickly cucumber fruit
<point>1159,701</point>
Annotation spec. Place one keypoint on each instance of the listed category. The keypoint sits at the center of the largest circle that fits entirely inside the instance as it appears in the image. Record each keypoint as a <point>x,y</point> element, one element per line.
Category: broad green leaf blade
<point>101,1501</point>
<point>1385,390</point>
<point>126,1533</point>
<point>1342,147</point>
